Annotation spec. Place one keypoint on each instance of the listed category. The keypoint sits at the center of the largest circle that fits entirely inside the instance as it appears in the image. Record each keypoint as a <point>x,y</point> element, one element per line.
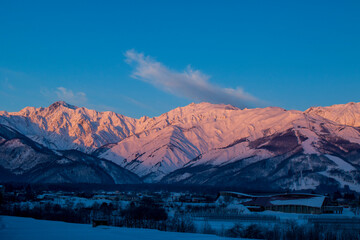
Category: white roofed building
<point>290,203</point>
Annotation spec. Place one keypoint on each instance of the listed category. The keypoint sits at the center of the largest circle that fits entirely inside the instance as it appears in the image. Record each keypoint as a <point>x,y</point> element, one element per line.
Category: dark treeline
<point>143,214</point>
<point>151,187</point>
<point>49,211</point>
<point>155,187</point>
<point>149,215</point>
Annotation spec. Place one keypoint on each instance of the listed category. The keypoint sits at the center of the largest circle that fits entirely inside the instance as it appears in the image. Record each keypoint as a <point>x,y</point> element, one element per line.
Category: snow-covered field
<point>18,228</point>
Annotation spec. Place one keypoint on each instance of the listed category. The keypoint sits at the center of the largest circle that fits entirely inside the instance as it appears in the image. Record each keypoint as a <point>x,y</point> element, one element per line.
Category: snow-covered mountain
<point>209,143</point>
<point>23,160</point>
<point>347,114</point>
<point>63,126</point>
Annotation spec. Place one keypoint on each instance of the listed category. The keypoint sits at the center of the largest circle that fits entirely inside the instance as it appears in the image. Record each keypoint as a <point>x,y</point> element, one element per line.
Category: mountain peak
<point>201,143</point>
<point>347,114</point>
<point>211,105</point>
<point>57,104</point>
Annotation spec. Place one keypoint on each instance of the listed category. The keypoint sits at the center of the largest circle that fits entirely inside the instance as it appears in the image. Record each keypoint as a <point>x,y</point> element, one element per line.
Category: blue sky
<point>147,57</point>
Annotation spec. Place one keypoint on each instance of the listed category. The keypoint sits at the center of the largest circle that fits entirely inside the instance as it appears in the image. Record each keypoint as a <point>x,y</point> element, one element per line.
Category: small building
<point>289,203</point>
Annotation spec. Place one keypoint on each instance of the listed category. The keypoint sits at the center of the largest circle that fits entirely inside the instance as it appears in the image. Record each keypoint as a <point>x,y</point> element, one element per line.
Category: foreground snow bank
<point>18,228</point>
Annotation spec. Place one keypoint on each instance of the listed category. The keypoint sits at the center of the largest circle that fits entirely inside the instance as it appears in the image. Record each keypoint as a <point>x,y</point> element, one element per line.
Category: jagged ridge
<point>200,142</point>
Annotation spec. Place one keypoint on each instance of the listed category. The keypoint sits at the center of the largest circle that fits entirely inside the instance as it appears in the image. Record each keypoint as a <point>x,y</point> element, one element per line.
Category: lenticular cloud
<point>191,84</point>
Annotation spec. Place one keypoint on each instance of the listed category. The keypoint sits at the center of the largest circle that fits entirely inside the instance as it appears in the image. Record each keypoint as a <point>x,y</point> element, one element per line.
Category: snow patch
<point>343,165</point>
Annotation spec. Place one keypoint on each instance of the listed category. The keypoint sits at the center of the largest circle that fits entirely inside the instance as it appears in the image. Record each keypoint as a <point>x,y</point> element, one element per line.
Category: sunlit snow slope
<point>210,143</point>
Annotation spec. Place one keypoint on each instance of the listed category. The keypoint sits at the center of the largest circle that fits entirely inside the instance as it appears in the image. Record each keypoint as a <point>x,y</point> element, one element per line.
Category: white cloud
<point>191,84</point>
<point>67,95</point>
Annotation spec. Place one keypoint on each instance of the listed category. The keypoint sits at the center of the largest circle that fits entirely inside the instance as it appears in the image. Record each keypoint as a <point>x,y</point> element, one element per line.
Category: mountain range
<point>212,144</point>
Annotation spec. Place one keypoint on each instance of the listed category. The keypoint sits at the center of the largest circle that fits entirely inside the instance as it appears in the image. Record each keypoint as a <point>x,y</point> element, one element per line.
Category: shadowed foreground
<point>18,228</point>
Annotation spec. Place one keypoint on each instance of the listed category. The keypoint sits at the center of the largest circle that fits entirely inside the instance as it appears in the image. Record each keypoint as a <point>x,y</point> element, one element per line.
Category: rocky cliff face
<point>23,160</point>
<point>63,126</point>
<point>208,143</point>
